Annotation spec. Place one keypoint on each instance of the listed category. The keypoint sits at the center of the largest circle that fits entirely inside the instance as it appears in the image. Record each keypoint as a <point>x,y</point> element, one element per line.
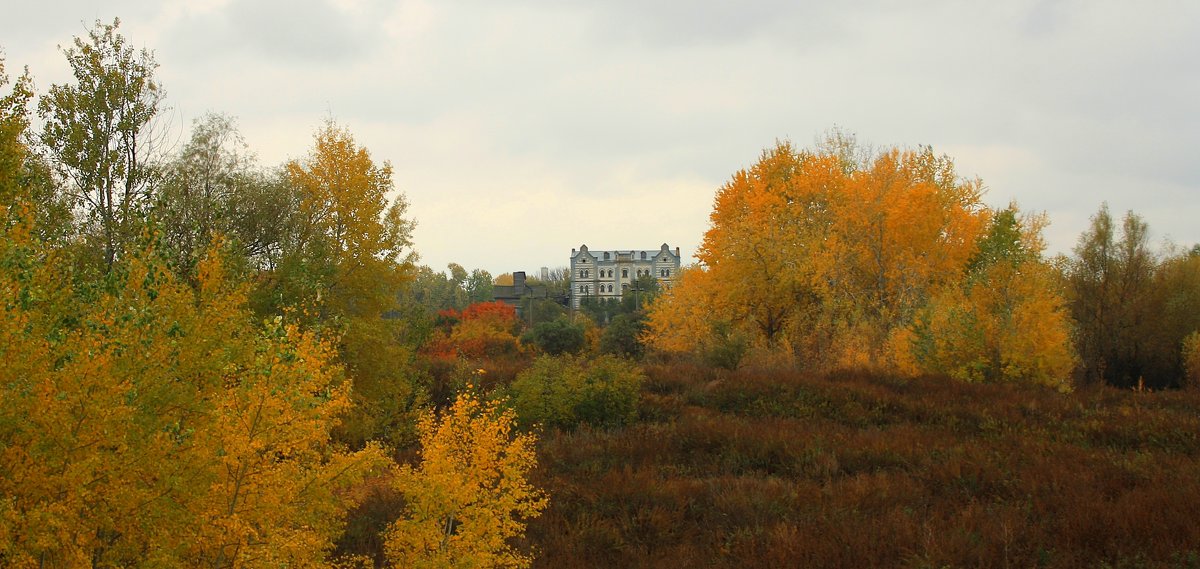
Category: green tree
<point>478,286</point>
<point>556,337</point>
<point>433,291</point>
<point>601,310</point>
<point>213,187</point>
<point>100,134</point>
<point>1175,311</point>
<point>622,336</point>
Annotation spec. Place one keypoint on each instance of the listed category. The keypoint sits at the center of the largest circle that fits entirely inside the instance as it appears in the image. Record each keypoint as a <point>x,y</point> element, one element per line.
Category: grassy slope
<point>771,469</point>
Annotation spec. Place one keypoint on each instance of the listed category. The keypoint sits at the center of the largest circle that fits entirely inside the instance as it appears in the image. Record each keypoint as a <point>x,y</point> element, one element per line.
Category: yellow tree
<point>470,496</point>
<point>156,425</point>
<point>1006,320</point>
<point>25,177</point>
<point>350,226</point>
<point>680,318</point>
<point>352,258</point>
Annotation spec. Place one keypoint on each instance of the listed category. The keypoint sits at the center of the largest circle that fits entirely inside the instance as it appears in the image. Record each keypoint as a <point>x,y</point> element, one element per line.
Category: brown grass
<point>782,469</point>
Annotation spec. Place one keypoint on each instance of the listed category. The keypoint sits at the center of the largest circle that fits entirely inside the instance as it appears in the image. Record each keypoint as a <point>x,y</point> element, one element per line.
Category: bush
<point>565,391</point>
<point>726,349</point>
<point>1191,360</point>
<point>621,336</point>
<point>556,337</point>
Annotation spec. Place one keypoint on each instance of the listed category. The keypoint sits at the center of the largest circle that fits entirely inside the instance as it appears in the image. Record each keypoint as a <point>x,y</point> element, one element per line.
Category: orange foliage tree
<point>828,252</point>
<point>481,330</point>
<point>690,316</point>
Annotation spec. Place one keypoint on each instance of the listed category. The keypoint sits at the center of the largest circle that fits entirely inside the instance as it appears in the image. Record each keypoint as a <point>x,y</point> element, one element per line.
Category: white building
<point>610,274</point>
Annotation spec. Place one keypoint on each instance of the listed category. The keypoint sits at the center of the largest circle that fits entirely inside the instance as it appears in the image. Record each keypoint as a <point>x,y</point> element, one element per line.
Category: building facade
<point>612,274</point>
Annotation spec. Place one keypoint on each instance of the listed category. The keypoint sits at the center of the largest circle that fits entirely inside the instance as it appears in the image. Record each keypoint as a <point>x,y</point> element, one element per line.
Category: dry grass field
<point>781,469</point>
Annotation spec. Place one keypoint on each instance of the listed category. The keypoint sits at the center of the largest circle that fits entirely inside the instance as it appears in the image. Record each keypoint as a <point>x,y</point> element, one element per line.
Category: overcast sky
<point>521,129</point>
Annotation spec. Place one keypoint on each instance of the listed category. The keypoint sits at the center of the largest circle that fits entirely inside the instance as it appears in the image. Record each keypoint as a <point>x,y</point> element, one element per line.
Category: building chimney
<point>519,281</point>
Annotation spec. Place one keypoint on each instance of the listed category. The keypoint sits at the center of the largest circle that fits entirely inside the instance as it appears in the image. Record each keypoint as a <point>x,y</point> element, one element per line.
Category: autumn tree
<point>156,424</point>
<point>469,497</point>
<point>1190,351</point>
<point>481,330</point>
<point>99,131</point>
<point>755,251</point>
<point>826,253</point>
<point>354,241</point>
<point>679,320</point>
<point>1005,321</point>
<point>346,259</point>
<point>27,186</point>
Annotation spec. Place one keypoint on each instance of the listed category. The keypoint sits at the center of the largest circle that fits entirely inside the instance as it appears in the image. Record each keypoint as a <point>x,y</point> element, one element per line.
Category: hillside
<point>780,469</point>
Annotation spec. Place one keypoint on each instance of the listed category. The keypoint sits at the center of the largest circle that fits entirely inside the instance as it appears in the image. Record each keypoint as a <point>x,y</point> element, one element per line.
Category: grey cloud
<point>709,22</point>
<point>35,21</point>
<point>287,31</point>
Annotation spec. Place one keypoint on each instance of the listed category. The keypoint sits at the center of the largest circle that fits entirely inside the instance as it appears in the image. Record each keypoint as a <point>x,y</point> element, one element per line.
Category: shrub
<point>727,348</point>
<point>565,391</point>
<point>620,337</point>
<point>1191,360</point>
<point>556,337</point>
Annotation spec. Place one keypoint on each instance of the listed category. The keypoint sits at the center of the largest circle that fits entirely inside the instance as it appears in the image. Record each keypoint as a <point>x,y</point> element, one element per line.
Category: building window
<point>624,273</point>
<point>667,273</point>
<point>643,255</point>
<point>606,255</point>
<point>609,288</point>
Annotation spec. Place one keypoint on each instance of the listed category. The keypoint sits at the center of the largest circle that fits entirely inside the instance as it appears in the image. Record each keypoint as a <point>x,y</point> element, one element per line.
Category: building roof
<point>635,254</point>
